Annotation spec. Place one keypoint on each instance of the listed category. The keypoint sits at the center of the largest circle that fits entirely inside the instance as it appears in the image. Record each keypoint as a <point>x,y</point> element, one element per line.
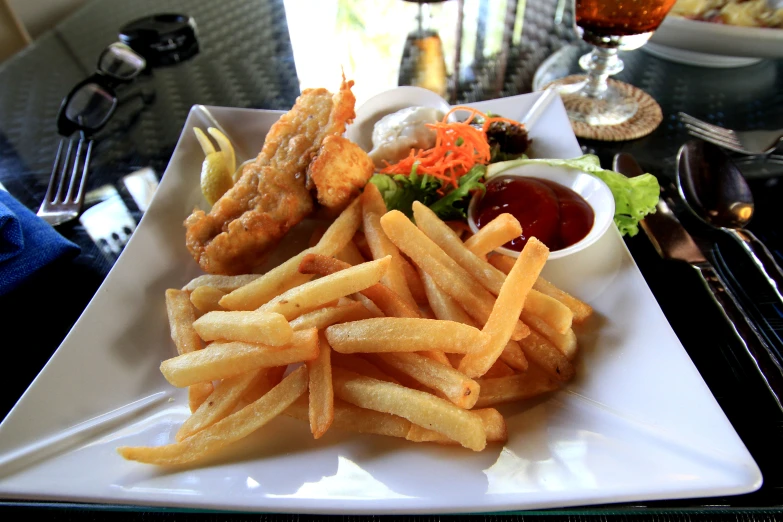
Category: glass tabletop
<point>261,54</point>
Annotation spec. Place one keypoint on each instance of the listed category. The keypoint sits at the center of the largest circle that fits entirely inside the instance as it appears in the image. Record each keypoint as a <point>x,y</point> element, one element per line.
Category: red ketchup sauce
<point>554,214</point>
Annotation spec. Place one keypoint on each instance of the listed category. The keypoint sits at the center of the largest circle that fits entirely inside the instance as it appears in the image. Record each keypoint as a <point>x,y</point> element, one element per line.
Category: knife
<point>672,241</point>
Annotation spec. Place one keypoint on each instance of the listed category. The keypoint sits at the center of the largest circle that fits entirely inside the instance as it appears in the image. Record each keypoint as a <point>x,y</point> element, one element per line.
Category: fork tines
<point>709,132</point>
<point>65,194</point>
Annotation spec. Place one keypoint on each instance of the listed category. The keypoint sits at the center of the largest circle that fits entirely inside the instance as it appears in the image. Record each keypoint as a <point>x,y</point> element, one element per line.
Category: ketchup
<point>556,215</point>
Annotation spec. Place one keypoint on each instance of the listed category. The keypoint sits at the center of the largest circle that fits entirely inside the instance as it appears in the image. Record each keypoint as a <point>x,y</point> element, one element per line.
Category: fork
<point>744,142</point>
<point>65,195</point>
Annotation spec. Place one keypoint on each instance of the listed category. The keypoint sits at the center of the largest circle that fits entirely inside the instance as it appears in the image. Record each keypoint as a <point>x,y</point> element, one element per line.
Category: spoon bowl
<point>715,190</point>
<point>712,186</point>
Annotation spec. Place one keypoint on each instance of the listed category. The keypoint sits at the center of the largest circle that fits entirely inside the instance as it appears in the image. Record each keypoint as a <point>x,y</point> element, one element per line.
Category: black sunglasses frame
<point>66,126</point>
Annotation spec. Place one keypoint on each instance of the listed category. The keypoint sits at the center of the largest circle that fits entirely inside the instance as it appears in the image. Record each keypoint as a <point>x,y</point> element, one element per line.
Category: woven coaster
<point>647,118</point>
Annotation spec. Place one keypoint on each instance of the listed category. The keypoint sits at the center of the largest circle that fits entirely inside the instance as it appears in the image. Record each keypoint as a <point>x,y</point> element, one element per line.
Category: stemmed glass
<point>610,26</point>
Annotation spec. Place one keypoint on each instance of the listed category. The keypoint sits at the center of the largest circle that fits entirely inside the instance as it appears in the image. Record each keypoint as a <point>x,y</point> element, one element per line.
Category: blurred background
<point>22,21</point>
<point>383,42</point>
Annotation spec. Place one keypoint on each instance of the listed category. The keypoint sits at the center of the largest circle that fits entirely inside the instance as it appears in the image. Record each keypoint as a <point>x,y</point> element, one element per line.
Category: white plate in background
<point>637,423</point>
<point>709,44</point>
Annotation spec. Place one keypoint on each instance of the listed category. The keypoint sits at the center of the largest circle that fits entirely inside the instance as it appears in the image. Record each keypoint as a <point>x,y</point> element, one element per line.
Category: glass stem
<point>600,65</point>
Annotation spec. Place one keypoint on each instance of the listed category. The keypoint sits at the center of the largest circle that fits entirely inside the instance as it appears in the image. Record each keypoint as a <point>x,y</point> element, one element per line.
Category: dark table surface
<point>246,59</point>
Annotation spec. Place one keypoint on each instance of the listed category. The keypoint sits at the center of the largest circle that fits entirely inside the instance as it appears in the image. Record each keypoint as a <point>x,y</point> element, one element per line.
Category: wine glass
<point>610,26</point>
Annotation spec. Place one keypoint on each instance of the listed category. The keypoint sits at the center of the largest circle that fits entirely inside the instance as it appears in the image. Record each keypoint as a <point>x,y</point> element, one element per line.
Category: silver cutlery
<point>109,223</point>
<point>673,242</point>
<point>715,190</point>
<point>745,142</point>
<point>65,194</point>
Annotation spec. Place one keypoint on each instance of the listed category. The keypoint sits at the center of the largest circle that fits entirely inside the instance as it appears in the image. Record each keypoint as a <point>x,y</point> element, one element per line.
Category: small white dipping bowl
<point>387,102</point>
<point>592,189</point>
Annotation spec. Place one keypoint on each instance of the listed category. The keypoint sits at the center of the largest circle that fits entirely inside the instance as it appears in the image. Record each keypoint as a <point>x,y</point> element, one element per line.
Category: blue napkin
<point>27,243</point>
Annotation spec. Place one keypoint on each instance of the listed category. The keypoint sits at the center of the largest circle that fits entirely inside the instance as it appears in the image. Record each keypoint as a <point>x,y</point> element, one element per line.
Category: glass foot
<point>607,107</point>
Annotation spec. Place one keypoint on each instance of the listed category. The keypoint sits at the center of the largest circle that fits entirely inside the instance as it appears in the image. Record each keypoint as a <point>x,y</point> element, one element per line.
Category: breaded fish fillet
<point>270,197</point>
<point>339,173</point>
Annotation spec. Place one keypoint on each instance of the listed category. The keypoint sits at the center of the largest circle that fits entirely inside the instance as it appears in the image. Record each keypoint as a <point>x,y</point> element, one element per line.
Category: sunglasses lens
<point>90,106</point>
<point>121,62</point>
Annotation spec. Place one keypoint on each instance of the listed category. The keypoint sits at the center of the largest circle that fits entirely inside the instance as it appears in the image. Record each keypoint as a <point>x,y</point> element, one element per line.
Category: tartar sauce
<point>397,133</point>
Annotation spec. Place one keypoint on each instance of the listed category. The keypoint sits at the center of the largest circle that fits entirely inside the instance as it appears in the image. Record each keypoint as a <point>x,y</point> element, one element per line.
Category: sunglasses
<point>91,103</point>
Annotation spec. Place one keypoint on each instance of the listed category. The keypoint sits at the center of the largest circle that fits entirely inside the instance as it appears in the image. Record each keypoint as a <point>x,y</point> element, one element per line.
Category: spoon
<point>715,190</point>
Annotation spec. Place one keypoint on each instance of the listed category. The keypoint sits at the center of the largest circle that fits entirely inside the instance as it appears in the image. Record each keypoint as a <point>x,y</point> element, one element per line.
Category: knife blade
<point>673,242</point>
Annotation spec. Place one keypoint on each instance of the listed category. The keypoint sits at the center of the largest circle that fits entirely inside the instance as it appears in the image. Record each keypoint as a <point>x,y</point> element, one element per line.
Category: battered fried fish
<point>271,196</point>
<point>339,173</point>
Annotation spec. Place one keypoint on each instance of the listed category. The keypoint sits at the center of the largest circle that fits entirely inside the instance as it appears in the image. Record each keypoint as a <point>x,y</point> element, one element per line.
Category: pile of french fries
<point>383,326</point>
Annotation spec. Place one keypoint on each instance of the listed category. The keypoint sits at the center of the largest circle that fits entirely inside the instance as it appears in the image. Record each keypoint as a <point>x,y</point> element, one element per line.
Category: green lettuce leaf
<point>454,205</point>
<point>634,198</point>
<point>399,192</point>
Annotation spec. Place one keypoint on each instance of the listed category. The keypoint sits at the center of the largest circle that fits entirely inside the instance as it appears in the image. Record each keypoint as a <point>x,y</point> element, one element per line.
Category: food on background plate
<point>399,375</point>
<point>746,13</point>
<point>272,194</point>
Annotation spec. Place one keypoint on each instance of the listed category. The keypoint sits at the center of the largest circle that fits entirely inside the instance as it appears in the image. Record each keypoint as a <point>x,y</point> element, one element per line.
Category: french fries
<point>507,308</point>
<point>264,381</point>
<point>348,417</point>
<point>230,429</point>
<point>446,309</point>
<point>454,385</point>
<point>315,294</point>
<point>350,254</point>
<point>251,327</point>
<point>554,313</point>
<point>549,309</point>
<point>197,394</point>
<point>207,298</point>
<point>580,309</point>
<point>499,369</point>
<point>223,283</point>
<point>221,360</point>
<point>539,350</point>
<point>398,334</point>
<point>328,316</point>
<point>446,273</point>
<point>181,317</point>
<point>565,342</point>
<point>494,234</point>
<point>358,364</point>
<point>390,303</point>
<point>321,412</point>
<point>442,235</point>
<point>514,388</point>
<point>415,283</point>
<point>419,407</point>
<point>219,404</point>
<point>287,276</point>
<point>493,422</point>
<point>514,356</point>
<point>381,330</point>
<point>373,207</point>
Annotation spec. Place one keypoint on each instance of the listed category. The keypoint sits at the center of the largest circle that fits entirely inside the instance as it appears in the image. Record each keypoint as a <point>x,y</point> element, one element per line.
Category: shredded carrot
<point>447,160</point>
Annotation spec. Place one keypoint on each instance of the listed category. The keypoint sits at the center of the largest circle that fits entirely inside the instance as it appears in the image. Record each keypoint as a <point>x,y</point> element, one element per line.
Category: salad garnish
<point>469,152</point>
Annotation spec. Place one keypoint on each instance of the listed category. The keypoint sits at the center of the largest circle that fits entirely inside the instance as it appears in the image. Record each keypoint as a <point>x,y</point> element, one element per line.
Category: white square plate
<point>638,422</point>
